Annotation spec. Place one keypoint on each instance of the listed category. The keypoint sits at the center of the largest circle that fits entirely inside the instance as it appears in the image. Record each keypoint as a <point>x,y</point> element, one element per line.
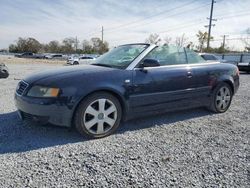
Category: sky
<point>124,21</point>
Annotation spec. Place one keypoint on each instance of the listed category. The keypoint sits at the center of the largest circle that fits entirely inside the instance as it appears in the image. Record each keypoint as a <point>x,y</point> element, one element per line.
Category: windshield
<point>121,56</point>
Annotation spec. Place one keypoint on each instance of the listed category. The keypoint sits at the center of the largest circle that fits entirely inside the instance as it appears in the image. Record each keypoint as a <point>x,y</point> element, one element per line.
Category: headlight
<point>40,91</point>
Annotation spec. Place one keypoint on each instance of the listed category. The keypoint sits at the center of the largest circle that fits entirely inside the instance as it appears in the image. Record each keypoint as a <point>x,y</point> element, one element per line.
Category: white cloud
<point>54,20</point>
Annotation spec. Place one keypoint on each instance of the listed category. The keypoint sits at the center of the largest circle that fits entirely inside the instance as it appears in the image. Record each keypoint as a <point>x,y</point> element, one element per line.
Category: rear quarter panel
<point>214,74</point>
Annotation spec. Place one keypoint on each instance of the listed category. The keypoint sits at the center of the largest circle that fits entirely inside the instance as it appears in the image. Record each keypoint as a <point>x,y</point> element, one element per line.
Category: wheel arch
<point>227,80</point>
<point>113,92</point>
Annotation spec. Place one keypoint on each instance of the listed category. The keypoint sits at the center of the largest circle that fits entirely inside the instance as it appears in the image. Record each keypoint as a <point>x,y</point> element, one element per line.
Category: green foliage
<point>202,38</point>
<point>68,46</point>
<point>25,45</point>
<point>219,50</point>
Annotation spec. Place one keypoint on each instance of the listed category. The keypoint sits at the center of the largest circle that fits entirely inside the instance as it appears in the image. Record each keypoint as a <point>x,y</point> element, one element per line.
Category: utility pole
<point>76,43</point>
<point>210,22</point>
<point>102,34</point>
<point>224,40</point>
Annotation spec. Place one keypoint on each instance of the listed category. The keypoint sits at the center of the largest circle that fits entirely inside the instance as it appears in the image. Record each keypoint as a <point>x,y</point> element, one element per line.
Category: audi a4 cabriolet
<point>129,81</point>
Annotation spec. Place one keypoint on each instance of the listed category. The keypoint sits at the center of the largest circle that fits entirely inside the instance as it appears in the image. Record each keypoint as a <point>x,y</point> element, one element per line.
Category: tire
<point>98,115</point>
<point>4,74</point>
<point>221,98</point>
<point>75,63</point>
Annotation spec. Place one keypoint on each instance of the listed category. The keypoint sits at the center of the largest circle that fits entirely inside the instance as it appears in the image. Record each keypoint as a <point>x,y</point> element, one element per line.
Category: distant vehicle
<point>244,65</point>
<point>25,55</point>
<point>129,81</point>
<point>80,60</point>
<point>55,56</point>
<point>211,58</point>
<point>30,55</point>
<point>4,71</point>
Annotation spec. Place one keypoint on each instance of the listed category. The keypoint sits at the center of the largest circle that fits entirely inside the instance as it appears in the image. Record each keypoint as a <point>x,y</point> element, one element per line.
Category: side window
<point>193,57</point>
<point>168,55</point>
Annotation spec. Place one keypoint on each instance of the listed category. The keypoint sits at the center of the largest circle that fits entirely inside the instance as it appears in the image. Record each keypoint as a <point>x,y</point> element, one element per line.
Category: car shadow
<point>163,119</point>
<point>18,136</point>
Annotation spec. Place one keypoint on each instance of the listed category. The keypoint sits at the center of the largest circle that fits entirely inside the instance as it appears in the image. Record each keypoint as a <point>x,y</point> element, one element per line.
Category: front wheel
<point>98,115</point>
<point>221,98</point>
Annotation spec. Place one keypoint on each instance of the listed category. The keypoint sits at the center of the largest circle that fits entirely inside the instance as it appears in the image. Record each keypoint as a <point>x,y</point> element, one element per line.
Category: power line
<point>193,22</point>
<point>155,15</point>
<point>237,38</point>
<point>234,16</point>
<point>111,30</point>
<point>175,14</point>
<point>182,26</point>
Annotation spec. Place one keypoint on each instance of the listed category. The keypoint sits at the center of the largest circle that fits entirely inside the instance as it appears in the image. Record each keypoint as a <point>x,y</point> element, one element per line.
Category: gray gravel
<point>193,148</point>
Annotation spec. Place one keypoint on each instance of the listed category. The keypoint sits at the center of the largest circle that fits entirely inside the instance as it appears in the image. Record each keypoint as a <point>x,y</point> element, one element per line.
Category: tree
<point>153,39</point>
<point>190,45</point>
<point>54,47</point>
<point>87,47</point>
<point>33,45</point>
<point>202,38</point>
<point>98,46</point>
<point>68,45</point>
<point>181,41</point>
<point>246,40</point>
<point>26,45</point>
<point>13,48</point>
<point>167,40</point>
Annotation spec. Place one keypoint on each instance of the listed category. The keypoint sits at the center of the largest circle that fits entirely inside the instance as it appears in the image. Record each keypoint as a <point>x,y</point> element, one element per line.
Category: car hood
<point>65,72</point>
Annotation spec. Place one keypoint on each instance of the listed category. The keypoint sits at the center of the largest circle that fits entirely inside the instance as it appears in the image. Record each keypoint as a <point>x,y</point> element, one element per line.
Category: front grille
<point>35,118</point>
<point>22,86</point>
<point>27,116</point>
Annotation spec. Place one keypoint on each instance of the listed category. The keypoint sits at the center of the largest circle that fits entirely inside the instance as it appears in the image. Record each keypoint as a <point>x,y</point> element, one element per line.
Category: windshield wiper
<point>100,64</point>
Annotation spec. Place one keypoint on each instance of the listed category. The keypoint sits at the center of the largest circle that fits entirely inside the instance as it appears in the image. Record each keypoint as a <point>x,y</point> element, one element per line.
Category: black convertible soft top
<point>4,72</point>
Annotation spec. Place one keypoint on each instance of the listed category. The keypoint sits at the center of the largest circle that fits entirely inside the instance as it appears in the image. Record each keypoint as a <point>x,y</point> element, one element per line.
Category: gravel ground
<point>192,148</point>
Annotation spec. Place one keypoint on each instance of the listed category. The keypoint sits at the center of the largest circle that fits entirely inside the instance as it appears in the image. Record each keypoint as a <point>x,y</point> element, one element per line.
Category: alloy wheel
<point>100,116</point>
<point>223,98</point>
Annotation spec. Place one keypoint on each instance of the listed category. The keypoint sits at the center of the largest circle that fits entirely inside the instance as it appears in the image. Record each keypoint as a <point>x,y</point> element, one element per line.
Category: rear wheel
<point>98,115</point>
<point>75,63</point>
<point>221,98</point>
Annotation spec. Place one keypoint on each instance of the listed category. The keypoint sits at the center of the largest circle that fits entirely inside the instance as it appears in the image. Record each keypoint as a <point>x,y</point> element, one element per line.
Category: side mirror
<point>150,63</point>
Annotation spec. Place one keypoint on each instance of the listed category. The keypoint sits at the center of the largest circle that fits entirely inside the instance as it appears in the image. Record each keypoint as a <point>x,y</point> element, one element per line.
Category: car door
<point>203,74</point>
<point>167,87</point>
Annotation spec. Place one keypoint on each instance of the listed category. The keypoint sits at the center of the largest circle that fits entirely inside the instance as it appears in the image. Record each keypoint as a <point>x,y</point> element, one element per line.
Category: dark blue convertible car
<point>129,81</point>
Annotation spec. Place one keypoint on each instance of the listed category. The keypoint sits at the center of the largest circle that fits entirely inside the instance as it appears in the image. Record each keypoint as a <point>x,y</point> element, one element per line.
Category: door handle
<point>189,74</point>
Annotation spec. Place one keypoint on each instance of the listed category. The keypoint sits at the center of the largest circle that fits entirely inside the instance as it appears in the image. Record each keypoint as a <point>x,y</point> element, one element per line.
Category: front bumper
<point>43,110</point>
<point>69,62</point>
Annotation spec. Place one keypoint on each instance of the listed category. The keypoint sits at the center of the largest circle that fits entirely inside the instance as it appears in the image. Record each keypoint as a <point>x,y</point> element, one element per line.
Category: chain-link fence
<point>235,57</point>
